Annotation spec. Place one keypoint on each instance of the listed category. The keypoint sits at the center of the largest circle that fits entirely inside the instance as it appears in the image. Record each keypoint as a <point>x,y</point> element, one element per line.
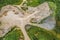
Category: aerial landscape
<point>29,19</point>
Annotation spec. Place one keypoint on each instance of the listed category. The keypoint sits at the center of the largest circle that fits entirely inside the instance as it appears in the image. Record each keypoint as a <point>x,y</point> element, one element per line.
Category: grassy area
<point>58,11</point>
<point>37,33</point>
<point>34,2</point>
<point>9,2</point>
<point>57,29</point>
<point>14,34</point>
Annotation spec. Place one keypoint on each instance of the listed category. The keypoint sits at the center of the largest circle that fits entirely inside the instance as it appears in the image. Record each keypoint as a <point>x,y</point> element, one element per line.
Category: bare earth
<point>11,16</point>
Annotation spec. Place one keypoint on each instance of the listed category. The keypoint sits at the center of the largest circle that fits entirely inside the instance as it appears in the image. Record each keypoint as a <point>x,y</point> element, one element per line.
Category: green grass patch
<point>57,29</point>
<point>34,3</point>
<point>37,33</point>
<point>9,2</point>
<point>14,34</point>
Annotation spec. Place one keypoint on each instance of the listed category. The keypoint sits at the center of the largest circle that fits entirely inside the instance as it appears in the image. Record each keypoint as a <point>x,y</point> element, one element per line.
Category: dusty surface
<point>11,16</point>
